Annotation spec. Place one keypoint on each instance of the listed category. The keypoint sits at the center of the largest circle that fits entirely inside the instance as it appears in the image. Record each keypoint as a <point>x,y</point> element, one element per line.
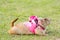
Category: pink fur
<point>32,18</point>
<point>35,17</point>
<point>31,25</point>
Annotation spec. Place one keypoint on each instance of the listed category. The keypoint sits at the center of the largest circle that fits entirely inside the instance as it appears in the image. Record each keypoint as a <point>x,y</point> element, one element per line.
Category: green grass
<point>11,9</point>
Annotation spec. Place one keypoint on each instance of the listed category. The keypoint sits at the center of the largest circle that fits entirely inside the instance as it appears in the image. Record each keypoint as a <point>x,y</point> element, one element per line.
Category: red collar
<point>42,27</point>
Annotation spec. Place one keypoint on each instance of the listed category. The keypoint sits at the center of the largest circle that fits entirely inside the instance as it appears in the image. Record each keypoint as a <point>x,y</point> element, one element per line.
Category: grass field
<point>11,9</point>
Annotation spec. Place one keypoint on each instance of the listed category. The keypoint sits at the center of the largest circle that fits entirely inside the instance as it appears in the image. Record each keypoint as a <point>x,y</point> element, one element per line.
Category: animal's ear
<point>46,19</point>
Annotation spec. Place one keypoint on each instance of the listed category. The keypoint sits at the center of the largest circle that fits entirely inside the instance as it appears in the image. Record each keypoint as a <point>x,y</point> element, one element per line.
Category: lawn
<point>11,9</point>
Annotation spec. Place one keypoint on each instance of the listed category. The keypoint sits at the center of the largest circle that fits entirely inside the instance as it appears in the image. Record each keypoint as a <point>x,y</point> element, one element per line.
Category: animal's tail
<point>12,22</point>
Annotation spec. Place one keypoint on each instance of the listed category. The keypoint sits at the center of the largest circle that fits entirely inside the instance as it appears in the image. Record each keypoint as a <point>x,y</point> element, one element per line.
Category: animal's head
<point>33,19</point>
<point>44,21</point>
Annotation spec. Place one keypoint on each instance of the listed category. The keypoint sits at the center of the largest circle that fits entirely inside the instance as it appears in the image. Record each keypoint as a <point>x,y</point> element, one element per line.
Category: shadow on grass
<point>50,33</point>
<point>28,34</point>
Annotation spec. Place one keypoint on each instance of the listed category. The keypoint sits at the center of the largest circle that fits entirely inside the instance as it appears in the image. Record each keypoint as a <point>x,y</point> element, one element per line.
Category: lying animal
<point>34,26</point>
